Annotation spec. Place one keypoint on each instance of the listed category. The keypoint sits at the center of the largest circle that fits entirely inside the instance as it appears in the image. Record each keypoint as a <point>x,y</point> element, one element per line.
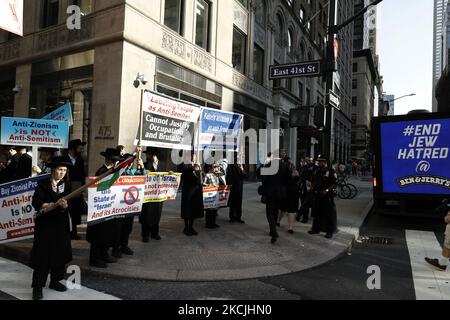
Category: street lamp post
<point>140,79</point>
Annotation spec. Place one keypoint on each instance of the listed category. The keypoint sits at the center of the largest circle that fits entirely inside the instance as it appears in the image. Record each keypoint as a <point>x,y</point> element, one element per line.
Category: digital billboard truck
<point>411,162</point>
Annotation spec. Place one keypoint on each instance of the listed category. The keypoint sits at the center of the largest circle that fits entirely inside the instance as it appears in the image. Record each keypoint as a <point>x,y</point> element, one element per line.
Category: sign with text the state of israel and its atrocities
<point>293,70</point>
<point>415,157</point>
<point>168,123</point>
<point>33,132</point>
<point>220,130</point>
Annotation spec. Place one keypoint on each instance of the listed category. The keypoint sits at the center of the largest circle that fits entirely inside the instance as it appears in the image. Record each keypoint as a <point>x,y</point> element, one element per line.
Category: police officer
<point>324,210</point>
<point>51,247</point>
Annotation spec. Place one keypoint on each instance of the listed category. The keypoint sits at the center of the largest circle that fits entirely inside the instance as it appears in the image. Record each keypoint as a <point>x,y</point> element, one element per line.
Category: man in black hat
<point>51,247</point>
<point>77,179</point>
<point>150,216</point>
<point>24,164</point>
<point>104,235</point>
<point>9,173</point>
<point>324,210</point>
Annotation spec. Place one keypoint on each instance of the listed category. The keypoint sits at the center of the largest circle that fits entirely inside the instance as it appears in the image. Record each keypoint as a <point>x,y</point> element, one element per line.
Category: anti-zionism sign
<point>415,156</point>
<point>16,211</point>
<point>168,123</point>
<point>123,199</point>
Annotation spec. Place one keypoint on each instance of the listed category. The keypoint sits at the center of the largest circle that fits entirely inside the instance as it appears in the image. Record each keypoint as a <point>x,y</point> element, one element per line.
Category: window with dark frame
<point>173,15</point>
<point>202,20</point>
<point>50,13</point>
<point>239,49</point>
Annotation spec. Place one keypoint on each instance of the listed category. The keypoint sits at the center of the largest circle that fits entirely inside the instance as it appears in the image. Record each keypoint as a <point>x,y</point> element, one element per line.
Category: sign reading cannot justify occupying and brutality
<point>168,123</point>
<point>220,130</point>
<point>123,199</point>
<point>33,132</point>
<point>16,211</point>
<point>293,70</point>
<point>161,186</point>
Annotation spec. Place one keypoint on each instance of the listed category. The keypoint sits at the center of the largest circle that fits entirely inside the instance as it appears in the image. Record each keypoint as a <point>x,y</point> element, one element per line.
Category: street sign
<point>334,100</point>
<point>301,69</point>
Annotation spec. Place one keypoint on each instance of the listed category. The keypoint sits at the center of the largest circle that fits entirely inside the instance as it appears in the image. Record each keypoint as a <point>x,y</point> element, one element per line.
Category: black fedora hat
<point>112,154</point>
<point>73,144</point>
<point>46,149</point>
<point>60,162</point>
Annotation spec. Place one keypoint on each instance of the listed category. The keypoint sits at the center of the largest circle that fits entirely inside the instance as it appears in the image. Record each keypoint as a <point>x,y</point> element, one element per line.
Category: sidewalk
<point>232,252</point>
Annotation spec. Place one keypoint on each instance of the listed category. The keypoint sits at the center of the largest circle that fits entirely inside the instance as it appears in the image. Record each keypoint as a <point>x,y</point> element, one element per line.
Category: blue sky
<point>405,46</point>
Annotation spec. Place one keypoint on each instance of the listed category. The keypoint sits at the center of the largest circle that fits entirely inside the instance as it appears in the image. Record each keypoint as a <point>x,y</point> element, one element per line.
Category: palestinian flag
<point>108,181</point>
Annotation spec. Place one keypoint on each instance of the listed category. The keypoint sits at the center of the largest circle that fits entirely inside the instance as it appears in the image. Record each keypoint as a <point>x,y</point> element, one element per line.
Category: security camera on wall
<point>17,89</point>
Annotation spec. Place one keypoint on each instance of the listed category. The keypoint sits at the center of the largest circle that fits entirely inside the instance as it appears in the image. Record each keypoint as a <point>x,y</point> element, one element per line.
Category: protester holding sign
<point>211,180</point>
<point>191,196</point>
<point>151,212</point>
<point>106,234</point>
<point>77,178</point>
<point>51,248</point>
<point>46,155</point>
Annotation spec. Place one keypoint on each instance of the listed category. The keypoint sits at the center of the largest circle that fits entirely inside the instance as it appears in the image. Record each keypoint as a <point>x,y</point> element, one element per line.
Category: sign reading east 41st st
<point>33,132</point>
<point>302,69</point>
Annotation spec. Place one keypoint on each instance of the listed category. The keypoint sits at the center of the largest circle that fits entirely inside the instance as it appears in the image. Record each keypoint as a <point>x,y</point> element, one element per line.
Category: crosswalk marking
<point>15,280</point>
<point>429,283</point>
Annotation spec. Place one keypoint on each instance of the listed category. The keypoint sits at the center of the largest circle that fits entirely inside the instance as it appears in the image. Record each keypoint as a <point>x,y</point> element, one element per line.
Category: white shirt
<point>72,159</point>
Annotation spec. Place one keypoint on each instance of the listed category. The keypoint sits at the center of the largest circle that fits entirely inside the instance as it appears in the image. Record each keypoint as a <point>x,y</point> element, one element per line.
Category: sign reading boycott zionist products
<point>33,132</point>
<point>161,187</point>
<point>220,130</point>
<point>415,156</point>
<point>16,211</point>
<point>168,123</point>
<point>124,198</point>
<point>216,197</point>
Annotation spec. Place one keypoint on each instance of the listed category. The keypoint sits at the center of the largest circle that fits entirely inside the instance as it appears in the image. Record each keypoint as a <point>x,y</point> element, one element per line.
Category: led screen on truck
<point>415,157</point>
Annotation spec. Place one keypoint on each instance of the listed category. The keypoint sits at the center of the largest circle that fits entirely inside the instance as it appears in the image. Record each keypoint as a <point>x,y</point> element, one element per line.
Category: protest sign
<point>167,123</point>
<point>11,16</point>
<point>220,130</point>
<point>63,113</point>
<point>124,198</point>
<point>216,197</point>
<point>33,132</point>
<point>16,211</point>
<point>161,186</point>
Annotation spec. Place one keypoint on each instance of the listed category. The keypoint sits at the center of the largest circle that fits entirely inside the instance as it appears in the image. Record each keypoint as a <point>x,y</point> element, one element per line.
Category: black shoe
<point>305,221</point>
<point>145,239</point>
<point>110,259</point>
<point>240,221</point>
<point>278,224</point>
<point>116,253</point>
<point>329,235</point>
<point>98,264</point>
<point>193,232</point>
<point>232,220</point>
<point>126,250</point>
<point>313,232</point>
<point>273,240</point>
<point>37,294</point>
<point>216,226</point>
<point>291,231</point>
<point>435,263</point>
<point>156,237</point>
<point>187,232</point>
<point>57,286</point>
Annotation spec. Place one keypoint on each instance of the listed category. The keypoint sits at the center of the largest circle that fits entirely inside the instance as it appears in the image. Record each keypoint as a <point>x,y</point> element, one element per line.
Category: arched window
<point>302,52</point>
<point>260,13</point>
<point>290,41</point>
<point>279,29</point>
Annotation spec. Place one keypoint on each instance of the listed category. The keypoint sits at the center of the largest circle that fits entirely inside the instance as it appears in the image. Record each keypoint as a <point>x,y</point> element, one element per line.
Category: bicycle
<point>344,189</point>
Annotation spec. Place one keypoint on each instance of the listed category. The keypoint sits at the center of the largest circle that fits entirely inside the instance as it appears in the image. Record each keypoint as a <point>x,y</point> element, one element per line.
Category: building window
<point>289,84</point>
<point>290,42</point>
<point>173,12</point>
<point>308,97</point>
<point>355,67</point>
<point>289,2</point>
<point>302,13</point>
<point>258,64</point>
<point>202,23</point>
<point>239,46</point>
<point>279,30</point>
<point>85,6</point>
<point>354,84</point>
<point>354,101</point>
<point>300,91</point>
<point>50,13</point>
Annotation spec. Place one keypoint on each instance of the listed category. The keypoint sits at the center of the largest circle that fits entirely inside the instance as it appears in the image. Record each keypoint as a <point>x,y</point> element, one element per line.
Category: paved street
<point>404,274</point>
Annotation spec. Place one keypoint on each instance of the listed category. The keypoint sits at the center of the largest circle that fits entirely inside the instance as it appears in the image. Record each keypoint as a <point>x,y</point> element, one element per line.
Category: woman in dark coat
<point>235,178</point>
<point>191,196</point>
<point>292,203</point>
<point>51,247</point>
<point>106,234</point>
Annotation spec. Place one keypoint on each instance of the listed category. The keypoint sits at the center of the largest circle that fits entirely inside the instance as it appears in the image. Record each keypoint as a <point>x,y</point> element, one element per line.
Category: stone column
<point>22,99</point>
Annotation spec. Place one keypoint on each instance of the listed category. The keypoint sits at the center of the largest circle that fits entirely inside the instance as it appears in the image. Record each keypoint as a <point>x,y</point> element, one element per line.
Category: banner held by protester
<point>161,186</point>
<point>216,197</point>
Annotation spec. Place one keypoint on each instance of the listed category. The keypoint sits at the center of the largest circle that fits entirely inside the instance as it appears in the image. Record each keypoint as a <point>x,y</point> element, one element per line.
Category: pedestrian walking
<point>191,195</point>
<point>274,190</point>
<point>51,246</point>
<point>324,209</point>
<point>291,205</point>
<point>106,234</point>
<point>442,263</point>
<point>150,216</point>
<point>77,176</point>
<point>235,177</point>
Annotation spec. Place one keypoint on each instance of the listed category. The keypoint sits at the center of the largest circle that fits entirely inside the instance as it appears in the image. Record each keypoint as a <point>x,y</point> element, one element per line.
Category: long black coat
<point>51,247</point>
<point>275,186</point>
<point>10,172</point>
<point>105,233</point>
<point>235,177</point>
<point>324,209</point>
<point>192,194</point>
<point>24,167</point>
<point>77,178</point>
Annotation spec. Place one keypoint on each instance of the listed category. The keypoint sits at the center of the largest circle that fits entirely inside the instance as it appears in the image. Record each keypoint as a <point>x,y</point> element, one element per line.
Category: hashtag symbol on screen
<point>409,131</point>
